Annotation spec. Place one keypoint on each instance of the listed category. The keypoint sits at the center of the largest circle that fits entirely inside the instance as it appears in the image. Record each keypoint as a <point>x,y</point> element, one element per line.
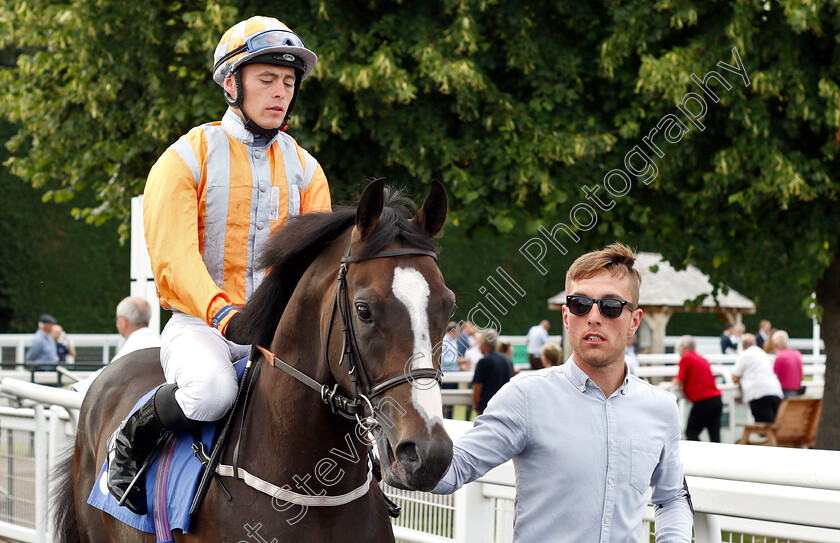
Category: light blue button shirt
<point>583,462</point>
<point>42,349</point>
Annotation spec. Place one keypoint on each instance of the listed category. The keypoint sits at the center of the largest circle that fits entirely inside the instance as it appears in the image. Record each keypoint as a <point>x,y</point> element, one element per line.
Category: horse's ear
<point>432,216</point>
<point>370,207</point>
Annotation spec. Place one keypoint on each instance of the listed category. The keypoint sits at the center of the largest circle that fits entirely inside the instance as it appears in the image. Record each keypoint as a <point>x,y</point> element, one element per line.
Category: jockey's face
<point>268,90</point>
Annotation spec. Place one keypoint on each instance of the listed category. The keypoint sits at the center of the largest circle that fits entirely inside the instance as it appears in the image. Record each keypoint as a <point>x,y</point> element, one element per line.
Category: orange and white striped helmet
<point>256,37</point>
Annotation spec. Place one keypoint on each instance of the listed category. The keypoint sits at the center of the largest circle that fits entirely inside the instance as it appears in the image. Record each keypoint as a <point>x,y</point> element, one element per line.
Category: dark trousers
<point>764,409</point>
<point>536,361</point>
<point>705,414</point>
<point>448,409</point>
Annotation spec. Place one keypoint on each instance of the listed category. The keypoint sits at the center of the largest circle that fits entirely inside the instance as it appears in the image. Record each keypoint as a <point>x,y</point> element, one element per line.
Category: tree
<point>537,115</point>
<point>750,192</point>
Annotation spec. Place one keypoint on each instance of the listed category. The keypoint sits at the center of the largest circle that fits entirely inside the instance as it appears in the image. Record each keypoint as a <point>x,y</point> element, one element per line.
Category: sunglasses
<point>609,307</point>
<point>264,40</point>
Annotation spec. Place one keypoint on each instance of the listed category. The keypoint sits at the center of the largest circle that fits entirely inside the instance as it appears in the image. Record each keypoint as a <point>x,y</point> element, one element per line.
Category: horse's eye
<point>363,311</point>
<point>454,309</point>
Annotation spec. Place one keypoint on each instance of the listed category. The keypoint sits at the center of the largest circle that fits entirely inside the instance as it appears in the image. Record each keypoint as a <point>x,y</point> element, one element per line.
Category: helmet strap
<point>235,102</point>
<point>254,128</point>
<point>299,74</point>
<point>250,125</point>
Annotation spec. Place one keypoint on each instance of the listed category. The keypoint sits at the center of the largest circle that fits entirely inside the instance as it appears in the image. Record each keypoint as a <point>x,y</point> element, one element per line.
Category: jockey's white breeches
<point>200,361</point>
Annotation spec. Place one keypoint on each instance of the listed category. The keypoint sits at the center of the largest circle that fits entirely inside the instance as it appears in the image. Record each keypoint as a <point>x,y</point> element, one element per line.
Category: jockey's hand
<point>235,330</point>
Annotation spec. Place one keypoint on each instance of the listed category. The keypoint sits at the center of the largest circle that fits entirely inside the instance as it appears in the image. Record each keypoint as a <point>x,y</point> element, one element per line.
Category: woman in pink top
<point>788,365</point>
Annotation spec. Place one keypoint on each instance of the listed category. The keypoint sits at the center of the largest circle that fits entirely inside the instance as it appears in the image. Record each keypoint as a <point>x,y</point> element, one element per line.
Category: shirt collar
<point>580,380</point>
<point>235,126</point>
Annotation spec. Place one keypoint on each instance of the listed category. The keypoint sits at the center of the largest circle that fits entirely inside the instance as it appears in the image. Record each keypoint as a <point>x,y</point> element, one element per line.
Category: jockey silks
<point>206,182</point>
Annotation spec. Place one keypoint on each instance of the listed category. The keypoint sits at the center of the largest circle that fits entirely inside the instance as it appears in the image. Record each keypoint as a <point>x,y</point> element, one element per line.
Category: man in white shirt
<point>760,387</point>
<point>536,338</point>
<point>133,316</point>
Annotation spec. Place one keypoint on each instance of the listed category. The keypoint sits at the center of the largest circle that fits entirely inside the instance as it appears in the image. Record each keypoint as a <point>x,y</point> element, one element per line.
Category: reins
<point>339,402</point>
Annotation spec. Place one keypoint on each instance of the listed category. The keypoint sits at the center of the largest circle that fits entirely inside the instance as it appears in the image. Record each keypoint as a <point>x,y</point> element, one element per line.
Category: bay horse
<point>355,302</point>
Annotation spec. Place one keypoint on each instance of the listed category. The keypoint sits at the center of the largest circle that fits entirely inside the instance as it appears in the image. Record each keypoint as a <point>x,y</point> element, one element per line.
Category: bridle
<point>363,389</point>
<point>340,403</point>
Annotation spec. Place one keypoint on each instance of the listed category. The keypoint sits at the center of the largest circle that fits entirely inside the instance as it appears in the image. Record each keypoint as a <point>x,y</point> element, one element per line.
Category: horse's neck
<point>305,441</point>
<point>302,442</point>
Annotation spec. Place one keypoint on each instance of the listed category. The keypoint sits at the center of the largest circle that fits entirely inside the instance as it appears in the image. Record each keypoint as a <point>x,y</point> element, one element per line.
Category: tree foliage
<point>520,108</point>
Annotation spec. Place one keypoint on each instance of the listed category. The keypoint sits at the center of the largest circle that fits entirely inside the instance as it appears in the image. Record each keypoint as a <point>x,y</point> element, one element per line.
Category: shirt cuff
<point>221,318</point>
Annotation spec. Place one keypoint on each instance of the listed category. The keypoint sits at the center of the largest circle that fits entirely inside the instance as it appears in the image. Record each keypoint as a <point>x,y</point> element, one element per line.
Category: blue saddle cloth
<point>171,481</point>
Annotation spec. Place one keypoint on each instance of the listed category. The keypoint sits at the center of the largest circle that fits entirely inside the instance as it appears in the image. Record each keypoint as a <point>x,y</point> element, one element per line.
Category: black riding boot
<point>132,443</point>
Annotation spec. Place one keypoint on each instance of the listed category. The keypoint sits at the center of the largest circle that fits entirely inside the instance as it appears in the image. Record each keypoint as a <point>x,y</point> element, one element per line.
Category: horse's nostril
<point>407,454</point>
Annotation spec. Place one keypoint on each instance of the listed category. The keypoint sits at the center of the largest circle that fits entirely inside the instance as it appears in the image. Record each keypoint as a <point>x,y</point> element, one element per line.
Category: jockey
<point>211,201</point>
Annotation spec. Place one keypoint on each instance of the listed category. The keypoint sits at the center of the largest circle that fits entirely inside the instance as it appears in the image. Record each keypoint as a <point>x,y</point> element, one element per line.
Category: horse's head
<point>396,307</point>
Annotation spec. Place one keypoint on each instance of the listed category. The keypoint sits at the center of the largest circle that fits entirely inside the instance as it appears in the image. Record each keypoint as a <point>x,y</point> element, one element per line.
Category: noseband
<point>363,389</point>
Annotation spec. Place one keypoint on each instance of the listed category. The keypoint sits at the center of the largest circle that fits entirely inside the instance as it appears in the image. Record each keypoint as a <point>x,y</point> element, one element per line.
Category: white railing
<point>96,348</point>
<point>50,418</point>
<point>787,494</point>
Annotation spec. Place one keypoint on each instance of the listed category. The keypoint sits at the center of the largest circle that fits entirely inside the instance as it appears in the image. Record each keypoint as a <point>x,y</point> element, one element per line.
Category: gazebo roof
<point>667,287</point>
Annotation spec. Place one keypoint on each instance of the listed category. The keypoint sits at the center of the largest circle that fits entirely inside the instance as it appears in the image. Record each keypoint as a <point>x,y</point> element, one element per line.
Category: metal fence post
<point>40,474</point>
<point>474,515</point>
<point>706,528</point>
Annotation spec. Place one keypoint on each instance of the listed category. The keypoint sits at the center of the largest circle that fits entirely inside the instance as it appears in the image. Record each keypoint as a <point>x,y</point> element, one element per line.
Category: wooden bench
<point>795,425</point>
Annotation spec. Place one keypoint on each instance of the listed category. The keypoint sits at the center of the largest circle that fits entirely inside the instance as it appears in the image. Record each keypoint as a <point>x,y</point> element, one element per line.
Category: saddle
<point>171,479</point>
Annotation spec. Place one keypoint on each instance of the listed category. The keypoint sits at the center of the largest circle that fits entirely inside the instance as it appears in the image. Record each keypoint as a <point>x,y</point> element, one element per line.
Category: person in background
<point>763,333</point>
<point>698,384</point>
<point>551,355</point>
<point>536,338</point>
<point>727,345</point>
<point>506,349</point>
<point>43,348</point>
<point>465,338</point>
<point>738,332</point>
<point>588,440</point>
<point>760,387</point>
<point>788,365</point>
<point>63,345</point>
<point>768,346</point>
<point>133,316</point>
<point>491,372</point>
<point>472,354</point>
<point>449,361</point>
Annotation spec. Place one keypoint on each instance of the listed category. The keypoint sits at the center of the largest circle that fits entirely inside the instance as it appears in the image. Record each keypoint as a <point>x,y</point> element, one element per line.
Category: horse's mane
<point>292,249</point>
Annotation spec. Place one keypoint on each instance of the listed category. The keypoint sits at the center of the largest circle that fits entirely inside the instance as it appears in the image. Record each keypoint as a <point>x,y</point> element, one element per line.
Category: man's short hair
<point>687,342</point>
<point>551,353</point>
<point>780,339</point>
<point>615,258</point>
<point>747,340</point>
<point>451,326</point>
<point>136,310</point>
<point>488,336</point>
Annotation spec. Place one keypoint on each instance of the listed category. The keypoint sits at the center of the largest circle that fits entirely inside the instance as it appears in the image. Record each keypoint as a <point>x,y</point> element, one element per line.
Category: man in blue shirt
<point>43,347</point>
<point>588,439</point>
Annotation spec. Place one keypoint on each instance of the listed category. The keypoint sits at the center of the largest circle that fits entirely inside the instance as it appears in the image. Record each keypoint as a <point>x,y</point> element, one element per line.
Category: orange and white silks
<point>210,204</point>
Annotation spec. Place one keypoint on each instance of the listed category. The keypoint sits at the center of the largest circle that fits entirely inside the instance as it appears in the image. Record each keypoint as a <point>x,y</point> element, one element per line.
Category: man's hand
<point>236,331</point>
